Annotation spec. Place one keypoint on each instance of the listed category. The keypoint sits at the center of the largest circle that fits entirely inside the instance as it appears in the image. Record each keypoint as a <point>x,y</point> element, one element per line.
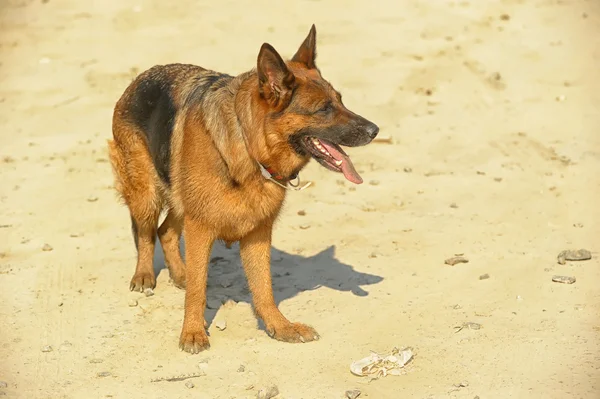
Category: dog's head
<point>306,113</point>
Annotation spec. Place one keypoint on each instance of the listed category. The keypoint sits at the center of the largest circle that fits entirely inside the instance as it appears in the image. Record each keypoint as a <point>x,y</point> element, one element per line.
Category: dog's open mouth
<point>332,157</point>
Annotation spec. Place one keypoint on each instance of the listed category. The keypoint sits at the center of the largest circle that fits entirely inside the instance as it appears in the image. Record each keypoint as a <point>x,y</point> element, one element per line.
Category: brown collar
<point>270,174</point>
<point>277,176</point>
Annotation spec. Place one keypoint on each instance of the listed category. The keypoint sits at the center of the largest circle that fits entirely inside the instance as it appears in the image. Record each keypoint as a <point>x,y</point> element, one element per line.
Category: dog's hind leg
<point>136,180</point>
<point>169,234</point>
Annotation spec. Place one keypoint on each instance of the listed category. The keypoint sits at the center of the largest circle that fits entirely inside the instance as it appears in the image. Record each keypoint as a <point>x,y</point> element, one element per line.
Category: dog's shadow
<point>291,275</point>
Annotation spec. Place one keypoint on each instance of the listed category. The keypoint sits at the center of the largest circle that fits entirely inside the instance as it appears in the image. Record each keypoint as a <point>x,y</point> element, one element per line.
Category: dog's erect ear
<point>275,80</point>
<point>307,53</point>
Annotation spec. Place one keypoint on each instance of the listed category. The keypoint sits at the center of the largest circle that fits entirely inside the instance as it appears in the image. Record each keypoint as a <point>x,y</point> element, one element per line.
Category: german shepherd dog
<point>197,143</point>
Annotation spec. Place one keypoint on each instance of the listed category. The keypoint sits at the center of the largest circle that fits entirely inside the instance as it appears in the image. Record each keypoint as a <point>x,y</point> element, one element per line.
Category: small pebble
<point>462,384</point>
<point>47,348</point>
<point>498,179</point>
<point>484,276</point>
<point>148,292</point>
<point>374,182</point>
<point>268,393</point>
<point>573,255</point>
<point>383,139</point>
<point>302,212</point>
<point>505,17</point>
<point>456,260</point>
<point>92,199</point>
<point>189,384</point>
<point>353,394</point>
<point>408,169</point>
<point>103,374</point>
<point>453,205</point>
<point>3,384</point>
<point>96,361</point>
<point>305,226</point>
<point>133,303</point>
<point>221,324</point>
<point>47,247</point>
<point>564,279</point>
<point>519,298</point>
<point>241,369</point>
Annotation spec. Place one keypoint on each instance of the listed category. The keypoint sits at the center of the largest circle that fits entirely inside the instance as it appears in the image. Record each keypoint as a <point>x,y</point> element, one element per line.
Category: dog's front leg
<point>255,250</point>
<point>199,242</point>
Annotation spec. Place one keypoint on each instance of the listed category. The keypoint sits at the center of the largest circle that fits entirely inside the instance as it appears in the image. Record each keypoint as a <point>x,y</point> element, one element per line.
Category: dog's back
<point>150,104</point>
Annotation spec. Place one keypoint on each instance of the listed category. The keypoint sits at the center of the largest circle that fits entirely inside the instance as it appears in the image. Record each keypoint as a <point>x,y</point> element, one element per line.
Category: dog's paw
<point>142,281</point>
<point>293,332</point>
<point>194,341</point>
<point>178,281</point>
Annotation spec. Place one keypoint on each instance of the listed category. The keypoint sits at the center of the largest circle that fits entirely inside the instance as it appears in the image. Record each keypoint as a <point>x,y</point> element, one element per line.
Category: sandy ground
<point>493,111</point>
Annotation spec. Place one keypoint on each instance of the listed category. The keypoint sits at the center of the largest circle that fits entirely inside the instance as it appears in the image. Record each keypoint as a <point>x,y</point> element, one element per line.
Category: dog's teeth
<point>338,163</point>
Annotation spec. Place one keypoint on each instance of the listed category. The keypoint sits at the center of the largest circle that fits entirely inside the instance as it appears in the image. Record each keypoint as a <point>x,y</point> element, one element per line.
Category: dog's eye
<point>328,107</point>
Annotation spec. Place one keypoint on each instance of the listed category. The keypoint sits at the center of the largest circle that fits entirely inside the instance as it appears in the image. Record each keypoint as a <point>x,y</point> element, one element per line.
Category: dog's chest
<point>252,209</point>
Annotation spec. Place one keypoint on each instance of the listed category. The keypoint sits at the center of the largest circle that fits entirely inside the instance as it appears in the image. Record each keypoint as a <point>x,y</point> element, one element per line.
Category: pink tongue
<point>347,167</point>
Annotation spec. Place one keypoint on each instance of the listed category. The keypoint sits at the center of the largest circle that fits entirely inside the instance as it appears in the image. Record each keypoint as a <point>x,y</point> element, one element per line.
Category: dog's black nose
<point>372,130</point>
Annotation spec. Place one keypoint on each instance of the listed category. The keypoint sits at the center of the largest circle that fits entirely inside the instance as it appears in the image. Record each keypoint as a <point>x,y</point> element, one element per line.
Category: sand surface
<point>493,108</point>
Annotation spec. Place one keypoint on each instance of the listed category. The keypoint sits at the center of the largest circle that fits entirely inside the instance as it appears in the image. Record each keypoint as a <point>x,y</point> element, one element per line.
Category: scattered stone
<point>302,212</point>
<point>178,377</point>
<point>268,393</point>
<point>505,17</point>
<point>76,235</point>
<point>305,226</point>
<point>564,279</point>
<point>456,260</point>
<point>498,179</point>
<point>407,169</point>
<point>241,369</point>
<point>103,374</point>
<point>462,384</point>
<point>221,324</point>
<point>5,226</point>
<point>133,303</point>
<point>92,199</point>
<point>468,325</point>
<point>519,298</point>
<point>3,384</point>
<point>453,205</point>
<point>578,225</point>
<point>484,276</point>
<point>47,248</point>
<point>225,283</point>
<point>47,349</point>
<point>189,385</point>
<point>373,255</point>
<point>96,361</point>
<point>383,140</point>
<point>374,182</point>
<point>573,255</point>
<point>148,292</point>
<point>353,394</point>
